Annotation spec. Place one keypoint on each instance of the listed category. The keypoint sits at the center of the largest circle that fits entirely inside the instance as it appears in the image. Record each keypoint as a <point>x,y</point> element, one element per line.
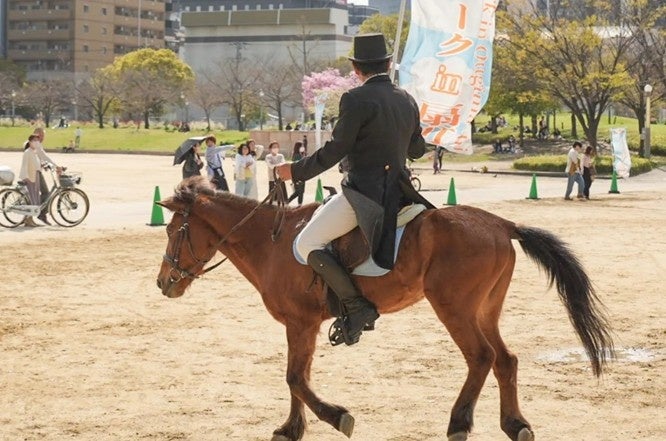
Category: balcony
<point>39,14</point>
<point>42,54</point>
<point>39,34</point>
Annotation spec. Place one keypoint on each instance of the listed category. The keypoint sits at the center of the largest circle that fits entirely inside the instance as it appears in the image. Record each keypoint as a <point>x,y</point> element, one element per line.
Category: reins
<point>275,194</point>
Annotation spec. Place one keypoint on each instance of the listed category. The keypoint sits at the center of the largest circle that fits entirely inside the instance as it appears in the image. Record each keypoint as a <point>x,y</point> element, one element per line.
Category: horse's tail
<point>575,290</point>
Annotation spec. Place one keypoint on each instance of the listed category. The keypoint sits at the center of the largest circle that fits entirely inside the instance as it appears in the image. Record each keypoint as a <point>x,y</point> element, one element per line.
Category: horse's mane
<point>188,190</point>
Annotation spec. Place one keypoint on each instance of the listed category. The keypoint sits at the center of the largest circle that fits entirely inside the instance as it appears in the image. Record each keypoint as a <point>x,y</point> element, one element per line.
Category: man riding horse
<point>377,129</point>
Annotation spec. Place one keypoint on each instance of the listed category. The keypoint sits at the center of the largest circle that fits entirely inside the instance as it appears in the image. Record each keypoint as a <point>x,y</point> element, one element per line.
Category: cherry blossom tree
<point>329,83</point>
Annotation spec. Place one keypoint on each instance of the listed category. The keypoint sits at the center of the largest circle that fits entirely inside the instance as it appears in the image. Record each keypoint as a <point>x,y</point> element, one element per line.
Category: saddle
<point>353,251</point>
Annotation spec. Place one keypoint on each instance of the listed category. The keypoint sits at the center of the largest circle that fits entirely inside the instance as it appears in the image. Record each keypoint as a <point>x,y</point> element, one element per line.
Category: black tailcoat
<point>377,129</point>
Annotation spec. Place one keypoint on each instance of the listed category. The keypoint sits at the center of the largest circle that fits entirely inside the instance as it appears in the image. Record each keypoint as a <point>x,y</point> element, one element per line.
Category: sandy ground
<point>92,351</point>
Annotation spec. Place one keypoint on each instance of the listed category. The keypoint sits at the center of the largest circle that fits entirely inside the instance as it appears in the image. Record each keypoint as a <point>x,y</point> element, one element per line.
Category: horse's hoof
<point>346,424</point>
<point>280,438</point>
<point>525,434</point>
<point>460,436</point>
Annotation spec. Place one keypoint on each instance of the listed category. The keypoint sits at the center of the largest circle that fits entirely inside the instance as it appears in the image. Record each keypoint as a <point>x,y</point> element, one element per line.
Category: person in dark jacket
<point>377,129</point>
<point>193,162</point>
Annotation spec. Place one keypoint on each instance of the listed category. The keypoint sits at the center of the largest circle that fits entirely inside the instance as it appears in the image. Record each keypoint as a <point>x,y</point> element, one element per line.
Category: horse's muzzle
<point>168,288</point>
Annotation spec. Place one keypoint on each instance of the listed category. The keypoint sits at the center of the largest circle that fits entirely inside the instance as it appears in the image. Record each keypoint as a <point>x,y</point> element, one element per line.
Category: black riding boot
<point>359,313</point>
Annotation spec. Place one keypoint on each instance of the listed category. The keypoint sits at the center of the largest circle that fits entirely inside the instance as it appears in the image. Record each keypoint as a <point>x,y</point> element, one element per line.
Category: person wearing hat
<point>377,129</point>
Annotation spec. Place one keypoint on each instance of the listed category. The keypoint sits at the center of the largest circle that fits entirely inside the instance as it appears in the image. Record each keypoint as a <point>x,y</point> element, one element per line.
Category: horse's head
<point>191,240</point>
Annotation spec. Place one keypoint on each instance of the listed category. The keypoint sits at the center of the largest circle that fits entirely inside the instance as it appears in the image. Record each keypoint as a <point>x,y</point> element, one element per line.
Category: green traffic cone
<point>157,217</point>
<point>319,195</point>
<point>613,188</point>
<point>533,188</point>
<point>452,194</point>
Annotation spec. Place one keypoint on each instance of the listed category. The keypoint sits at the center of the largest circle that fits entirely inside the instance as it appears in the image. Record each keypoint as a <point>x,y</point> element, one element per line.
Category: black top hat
<point>369,48</point>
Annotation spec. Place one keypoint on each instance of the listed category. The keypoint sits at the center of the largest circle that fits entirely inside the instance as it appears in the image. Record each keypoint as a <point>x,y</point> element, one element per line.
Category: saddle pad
<point>369,268</point>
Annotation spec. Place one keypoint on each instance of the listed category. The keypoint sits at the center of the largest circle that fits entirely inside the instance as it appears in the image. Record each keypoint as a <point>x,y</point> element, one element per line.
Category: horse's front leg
<point>302,338</point>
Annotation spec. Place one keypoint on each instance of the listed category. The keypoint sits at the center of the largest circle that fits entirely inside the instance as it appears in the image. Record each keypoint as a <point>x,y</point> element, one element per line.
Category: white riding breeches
<point>330,221</point>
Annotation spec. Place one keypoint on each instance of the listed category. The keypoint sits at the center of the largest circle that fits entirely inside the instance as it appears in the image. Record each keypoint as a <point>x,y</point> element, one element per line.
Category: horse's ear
<point>171,204</point>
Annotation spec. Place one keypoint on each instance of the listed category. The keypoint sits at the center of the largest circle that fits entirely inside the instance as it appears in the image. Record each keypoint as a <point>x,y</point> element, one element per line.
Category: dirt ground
<point>92,351</point>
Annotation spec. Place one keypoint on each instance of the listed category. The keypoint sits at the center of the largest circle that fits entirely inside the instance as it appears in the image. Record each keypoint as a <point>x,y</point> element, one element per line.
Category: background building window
<point>85,8</point>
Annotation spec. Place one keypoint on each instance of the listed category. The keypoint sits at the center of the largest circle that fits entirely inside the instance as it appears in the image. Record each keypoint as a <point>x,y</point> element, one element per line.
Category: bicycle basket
<point>6,175</point>
<point>70,180</point>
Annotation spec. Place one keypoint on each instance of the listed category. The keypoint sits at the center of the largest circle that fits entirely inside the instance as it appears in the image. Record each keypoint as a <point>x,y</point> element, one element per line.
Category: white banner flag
<point>446,66</point>
<point>621,156</point>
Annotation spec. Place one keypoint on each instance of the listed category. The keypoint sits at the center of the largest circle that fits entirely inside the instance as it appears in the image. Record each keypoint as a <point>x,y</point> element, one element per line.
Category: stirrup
<point>335,335</point>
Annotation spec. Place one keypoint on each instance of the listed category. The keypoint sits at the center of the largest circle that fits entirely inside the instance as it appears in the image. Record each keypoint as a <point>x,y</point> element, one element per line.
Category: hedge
<point>557,163</point>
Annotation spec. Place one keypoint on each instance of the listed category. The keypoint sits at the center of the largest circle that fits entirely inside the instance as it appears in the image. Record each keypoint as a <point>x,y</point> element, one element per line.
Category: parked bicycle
<point>67,204</point>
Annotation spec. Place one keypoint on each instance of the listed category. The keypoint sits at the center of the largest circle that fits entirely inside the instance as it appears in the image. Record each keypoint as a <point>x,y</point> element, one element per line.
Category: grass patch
<point>122,139</point>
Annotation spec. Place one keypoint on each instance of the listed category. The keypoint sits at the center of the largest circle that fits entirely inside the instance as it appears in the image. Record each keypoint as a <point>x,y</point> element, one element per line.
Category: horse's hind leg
<point>505,367</point>
<point>461,322</point>
<point>302,338</point>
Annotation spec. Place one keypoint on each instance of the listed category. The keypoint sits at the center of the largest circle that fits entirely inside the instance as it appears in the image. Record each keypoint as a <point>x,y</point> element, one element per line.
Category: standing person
<point>29,174</point>
<point>256,150</point>
<point>439,150</point>
<point>193,163</point>
<point>574,172</point>
<point>77,138</point>
<point>243,167</point>
<point>377,130</point>
<point>589,170</point>
<point>300,152</point>
<point>273,159</point>
<point>43,157</point>
<point>214,158</point>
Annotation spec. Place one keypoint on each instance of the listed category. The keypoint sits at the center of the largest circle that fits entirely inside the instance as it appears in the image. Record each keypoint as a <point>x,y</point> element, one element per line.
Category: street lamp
<point>185,107</point>
<point>13,108</point>
<point>261,110</point>
<point>76,110</point>
<point>646,131</point>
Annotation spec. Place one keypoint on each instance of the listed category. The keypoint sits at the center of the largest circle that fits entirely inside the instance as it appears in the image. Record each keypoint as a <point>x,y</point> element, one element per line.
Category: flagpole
<point>398,32</point>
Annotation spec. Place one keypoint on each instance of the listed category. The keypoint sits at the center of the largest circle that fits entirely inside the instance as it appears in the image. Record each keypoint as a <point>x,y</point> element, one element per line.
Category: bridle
<point>198,269</point>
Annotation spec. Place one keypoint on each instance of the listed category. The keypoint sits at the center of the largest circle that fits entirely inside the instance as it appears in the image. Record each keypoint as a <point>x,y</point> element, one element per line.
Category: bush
<point>557,163</point>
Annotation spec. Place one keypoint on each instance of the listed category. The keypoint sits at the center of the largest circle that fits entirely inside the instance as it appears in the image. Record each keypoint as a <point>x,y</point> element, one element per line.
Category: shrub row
<point>557,163</point>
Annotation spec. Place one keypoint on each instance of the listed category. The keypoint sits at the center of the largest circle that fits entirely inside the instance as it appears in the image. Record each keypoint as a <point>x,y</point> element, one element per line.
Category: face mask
<point>302,150</point>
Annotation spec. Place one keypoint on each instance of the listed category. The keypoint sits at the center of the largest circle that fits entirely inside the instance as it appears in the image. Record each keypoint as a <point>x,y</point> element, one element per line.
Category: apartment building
<point>71,38</point>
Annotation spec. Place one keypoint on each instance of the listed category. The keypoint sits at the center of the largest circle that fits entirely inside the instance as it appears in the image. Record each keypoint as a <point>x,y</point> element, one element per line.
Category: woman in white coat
<point>256,150</point>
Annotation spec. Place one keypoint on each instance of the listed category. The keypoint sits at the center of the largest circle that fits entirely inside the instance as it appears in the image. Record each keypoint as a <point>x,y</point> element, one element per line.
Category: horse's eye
<point>169,230</point>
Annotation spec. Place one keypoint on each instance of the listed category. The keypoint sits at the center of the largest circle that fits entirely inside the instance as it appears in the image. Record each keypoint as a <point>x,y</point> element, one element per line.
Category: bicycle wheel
<point>69,207</point>
<point>416,183</point>
<point>9,198</point>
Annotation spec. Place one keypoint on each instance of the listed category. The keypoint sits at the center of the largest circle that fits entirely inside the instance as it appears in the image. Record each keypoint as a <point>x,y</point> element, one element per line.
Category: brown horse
<point>461,259</point>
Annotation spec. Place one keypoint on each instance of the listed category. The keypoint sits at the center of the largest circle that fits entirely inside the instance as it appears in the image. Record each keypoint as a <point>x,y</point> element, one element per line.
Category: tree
<point>236,81</point>
<point>578,60</point>
<point>645,62</point>
<point>150,79</point>
<point>329,83</point>
<point>48,97</point>
<point>206,96</point>
<point>387,25</point>
<point>514,88</point>
<point>280,86</point>
<point>11,79</point>
<point>99,93</point>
